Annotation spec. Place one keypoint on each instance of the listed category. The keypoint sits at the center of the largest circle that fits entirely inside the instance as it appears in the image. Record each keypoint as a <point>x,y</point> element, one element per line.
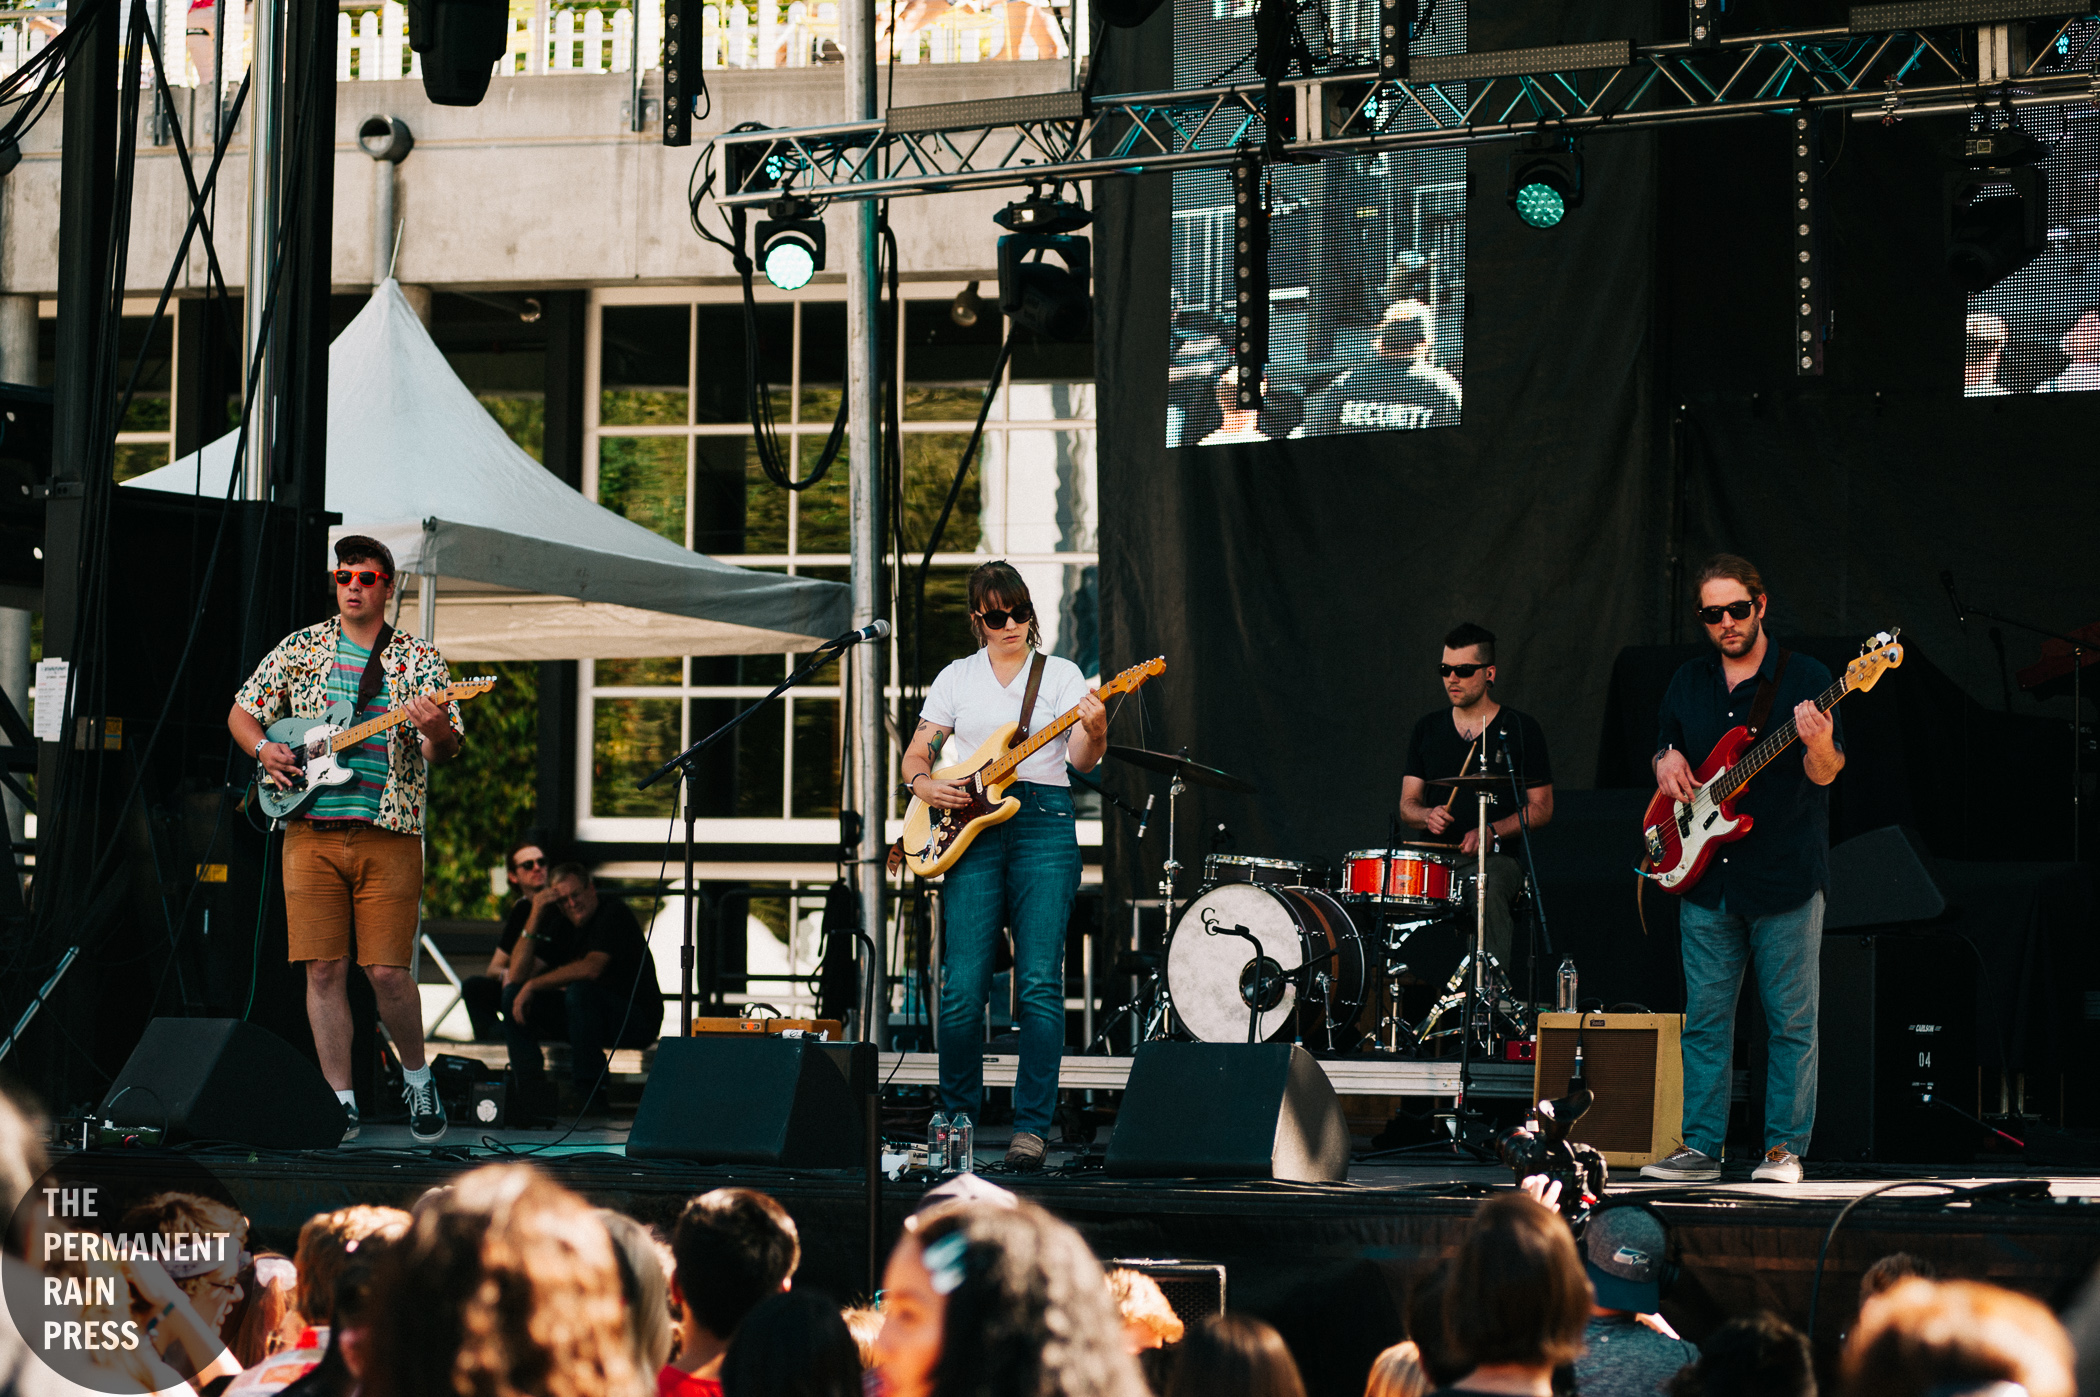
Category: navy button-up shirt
<point>1785,859</point>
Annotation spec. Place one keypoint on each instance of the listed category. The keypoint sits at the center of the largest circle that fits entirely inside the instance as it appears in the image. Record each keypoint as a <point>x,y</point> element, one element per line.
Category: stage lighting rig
<point>1997,206</point>
<point>1250,282</point>
<point>1051,300</point>
<point>1043,213</point>
<point>790,243</point>
<point>1545,179</point>
<point>460,41</point>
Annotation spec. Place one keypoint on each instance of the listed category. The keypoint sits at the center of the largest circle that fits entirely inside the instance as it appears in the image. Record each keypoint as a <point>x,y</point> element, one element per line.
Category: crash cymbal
<point>1475,781</point>
<point>1195,773</point>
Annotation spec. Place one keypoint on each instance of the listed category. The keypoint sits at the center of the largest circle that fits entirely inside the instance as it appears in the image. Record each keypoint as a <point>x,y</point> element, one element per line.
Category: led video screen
<point>1367,263</point>
<point>2038,331</point>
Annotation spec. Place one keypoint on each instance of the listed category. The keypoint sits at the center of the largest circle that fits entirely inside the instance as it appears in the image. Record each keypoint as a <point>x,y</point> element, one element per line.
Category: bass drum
<point>1313,966</point>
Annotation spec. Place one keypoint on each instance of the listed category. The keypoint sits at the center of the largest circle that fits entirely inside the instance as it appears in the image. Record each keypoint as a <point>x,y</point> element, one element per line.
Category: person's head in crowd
<point>1758,1355</point>
<point>645,1288</point>
<point>1409,278</point>
<point>326,1244</point>
<point>734,1247</point>
<point>507,1286</point>
<point>429,1198</point>
<point>1984,351</point>
<point>22,1163</point>
<point>211,1279</point>
<point>344,1366</point>
<point>1234,1356</point>
<point>1922,1336</point>
<point>141,1364</point>
<point>795,1344</point>
<point>1148,1320</point>
<point>1407,331</point>
<point>864,1323</point>
<point>1623,1250</point>
<point>994,1301</point>
<point>1896,1266</point>
<point>574,891</point>
<point>1425,1327</point>
<point>1517,1301</point>
<point>2081,343</point>
<point>1398,1372</point>
<point>255,1325</point>
<point>525,866</point>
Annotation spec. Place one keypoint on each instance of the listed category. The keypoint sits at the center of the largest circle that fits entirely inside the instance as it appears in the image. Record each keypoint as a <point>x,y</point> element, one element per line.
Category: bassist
<point>353,863</point>
<point>1020,874</point>
<point>1761,903</point>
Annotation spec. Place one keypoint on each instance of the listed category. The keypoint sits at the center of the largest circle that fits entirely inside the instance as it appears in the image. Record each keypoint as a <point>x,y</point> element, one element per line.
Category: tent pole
<point>857,38</point>
<point>265,167</point>
<point>427,605</point>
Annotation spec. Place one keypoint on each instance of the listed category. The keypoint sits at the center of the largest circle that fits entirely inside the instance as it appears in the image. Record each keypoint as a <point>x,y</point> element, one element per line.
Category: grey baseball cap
<point>1622,1249</point>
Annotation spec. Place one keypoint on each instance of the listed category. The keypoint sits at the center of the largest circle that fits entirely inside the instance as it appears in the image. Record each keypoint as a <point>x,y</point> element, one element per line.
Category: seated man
<point>526,867</point>
<point>580,970</point>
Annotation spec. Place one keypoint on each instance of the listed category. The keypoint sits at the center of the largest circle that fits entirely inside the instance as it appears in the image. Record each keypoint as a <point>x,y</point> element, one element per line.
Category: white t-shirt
<point>967,698</point>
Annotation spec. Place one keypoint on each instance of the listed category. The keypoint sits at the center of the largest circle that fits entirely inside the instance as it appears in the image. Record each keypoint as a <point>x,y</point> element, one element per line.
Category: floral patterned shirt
<point>292,681</point>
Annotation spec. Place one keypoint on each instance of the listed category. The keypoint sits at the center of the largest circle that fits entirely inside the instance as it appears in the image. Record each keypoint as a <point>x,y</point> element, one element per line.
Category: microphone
<point>1146,818</point>
<point>874,630</point>
<point>1947,581</point>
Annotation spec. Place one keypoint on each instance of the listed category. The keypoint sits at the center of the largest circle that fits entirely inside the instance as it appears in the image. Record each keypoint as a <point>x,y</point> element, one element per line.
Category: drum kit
<point>1276,949</point>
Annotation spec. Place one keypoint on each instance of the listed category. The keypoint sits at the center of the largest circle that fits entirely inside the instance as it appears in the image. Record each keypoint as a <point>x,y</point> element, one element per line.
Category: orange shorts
<point>348,884</point>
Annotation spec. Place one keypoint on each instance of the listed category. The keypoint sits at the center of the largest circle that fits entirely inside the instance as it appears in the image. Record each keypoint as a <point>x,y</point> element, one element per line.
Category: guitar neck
<point>999,770</point>
<point>1773,743</point>
<point>393,718</point>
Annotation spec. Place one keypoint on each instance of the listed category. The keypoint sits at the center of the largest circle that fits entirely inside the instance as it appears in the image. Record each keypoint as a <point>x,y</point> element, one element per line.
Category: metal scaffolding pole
<point>863,349</point>
<point>265,205</point>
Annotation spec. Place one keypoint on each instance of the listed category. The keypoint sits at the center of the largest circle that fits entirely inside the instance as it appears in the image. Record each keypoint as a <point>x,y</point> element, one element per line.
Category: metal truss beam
<point>1579,90</point>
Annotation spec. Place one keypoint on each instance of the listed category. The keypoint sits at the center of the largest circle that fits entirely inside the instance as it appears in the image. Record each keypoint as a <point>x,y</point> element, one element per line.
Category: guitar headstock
<point>468,688</point>
<point>1137,674</point>
<point>1876,656</point>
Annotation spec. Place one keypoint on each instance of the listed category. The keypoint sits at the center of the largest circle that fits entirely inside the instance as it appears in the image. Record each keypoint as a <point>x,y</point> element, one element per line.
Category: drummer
<point>1454,742</point>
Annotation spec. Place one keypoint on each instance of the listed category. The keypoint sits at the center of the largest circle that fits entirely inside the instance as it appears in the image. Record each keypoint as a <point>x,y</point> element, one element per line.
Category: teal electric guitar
<point>315,741</point>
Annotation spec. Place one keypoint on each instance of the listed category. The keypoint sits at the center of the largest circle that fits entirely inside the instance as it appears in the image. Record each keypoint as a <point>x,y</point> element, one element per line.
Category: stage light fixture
<point>790,243</point>
<point>967,306</point>
<point>1050,300</point>
<point>1396,32</point>
<point>1545,180</point>
<point>1812,309</point>
<point>460,41</point>
<point>1997,207</point>
<point>1250,282</point>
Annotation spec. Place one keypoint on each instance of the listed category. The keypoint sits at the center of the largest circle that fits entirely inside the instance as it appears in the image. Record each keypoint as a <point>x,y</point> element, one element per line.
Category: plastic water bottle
<point>962,1140</point>
<point>1564,1000</point>
<point>937,1135</point>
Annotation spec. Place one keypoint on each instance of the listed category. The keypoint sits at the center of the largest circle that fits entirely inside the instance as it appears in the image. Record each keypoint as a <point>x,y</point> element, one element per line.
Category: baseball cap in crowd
<point>1623,1253</point>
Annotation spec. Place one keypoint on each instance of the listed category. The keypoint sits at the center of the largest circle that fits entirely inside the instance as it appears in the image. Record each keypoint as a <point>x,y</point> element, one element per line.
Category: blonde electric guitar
<point>935,839</point>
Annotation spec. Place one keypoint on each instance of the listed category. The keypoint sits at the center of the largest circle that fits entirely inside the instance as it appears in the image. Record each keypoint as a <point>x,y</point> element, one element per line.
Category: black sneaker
<point>426,1114</point>
<point>349,1121</point>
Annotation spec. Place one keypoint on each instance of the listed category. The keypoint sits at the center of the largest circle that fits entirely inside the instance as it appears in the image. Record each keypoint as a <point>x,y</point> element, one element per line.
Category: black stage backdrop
<point>1299,589</point>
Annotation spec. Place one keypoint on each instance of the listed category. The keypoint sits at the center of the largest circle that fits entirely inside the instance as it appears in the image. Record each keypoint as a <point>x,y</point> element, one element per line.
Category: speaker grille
<point>1619,1064</point>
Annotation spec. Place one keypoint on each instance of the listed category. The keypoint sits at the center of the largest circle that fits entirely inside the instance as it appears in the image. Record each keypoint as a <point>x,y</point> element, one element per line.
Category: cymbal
<point>1195,773</point>
<point>1475,781</point>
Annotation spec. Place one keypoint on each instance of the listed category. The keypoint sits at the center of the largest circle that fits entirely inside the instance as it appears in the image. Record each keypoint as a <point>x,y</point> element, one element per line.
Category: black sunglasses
<point>1735,611</point>
<point>523,864</point>
<point>1462,671</point>
<point>1022,612</point>
<point>344,577</point>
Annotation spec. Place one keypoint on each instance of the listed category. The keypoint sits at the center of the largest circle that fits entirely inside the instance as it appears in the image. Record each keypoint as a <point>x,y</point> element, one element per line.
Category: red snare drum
<point>1414,876</point>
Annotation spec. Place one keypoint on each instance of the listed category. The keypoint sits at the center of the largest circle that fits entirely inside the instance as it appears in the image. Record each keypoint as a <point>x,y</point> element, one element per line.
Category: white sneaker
<point>426,1114</point>
<point>350,1126</point>
<point>1779,1166</point>
<point>1686,1166</point>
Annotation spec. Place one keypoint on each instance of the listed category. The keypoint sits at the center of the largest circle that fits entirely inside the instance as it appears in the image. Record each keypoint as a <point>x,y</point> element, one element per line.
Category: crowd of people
<point>506,1284</point>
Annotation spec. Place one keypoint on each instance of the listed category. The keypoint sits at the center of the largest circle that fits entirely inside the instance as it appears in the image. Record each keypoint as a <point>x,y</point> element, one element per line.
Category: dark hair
<point>793,1345</point>
<point>1407,326</point>
<point>568,870</point>
<point>734,1247</point>
<point>999,584</point>
<point>1425,1325</point>
<point>361,548</point>
<point>1731,567</point>
<point>1030,1314</point>
<point>1518,1293</point>
<point>1758,1355</point>
<point>510,855</point>
<point>1237,1355</point>
<point>1467,634</point>
<point>1922,1336</point>
<point>1896,1266</point>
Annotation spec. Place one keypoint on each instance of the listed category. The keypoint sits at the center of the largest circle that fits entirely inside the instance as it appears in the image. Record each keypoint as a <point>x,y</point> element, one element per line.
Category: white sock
<point>416,1076</point>
<point>347,1097</point>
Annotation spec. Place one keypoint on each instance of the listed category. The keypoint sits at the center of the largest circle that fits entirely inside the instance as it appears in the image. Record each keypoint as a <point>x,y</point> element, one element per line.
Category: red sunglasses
<point>368,578</point>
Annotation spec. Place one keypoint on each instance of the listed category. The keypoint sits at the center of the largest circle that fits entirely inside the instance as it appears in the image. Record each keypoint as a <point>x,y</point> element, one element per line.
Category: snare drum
<point>1238,868</point>
<point>1412,875</point>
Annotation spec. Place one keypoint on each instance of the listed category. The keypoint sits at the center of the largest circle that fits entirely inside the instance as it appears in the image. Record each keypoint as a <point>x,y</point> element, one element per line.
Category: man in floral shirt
<point>353,860</point>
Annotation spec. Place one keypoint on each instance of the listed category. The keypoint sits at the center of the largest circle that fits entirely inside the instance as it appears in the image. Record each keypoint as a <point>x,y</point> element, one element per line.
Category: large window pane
<point>1049,492</point>
<point>823,360</point>
<point>643,478</point>
<point>629,739</point>
<point>523,418</point>
<point>944,632</point>
<point>643,365</point>
<point>150,409</point>
<point>726,482</point>
<point>1037,358</point>
<point>138,457</point>
<point>731,671</point>
<point>946,365</point>
<point>824,510</point>
<point>740,776</point>
<point>816,785</point>
<point>1048,402</point>
<point>626,674</point>
<point>930,460</point>
<point>722,380</point>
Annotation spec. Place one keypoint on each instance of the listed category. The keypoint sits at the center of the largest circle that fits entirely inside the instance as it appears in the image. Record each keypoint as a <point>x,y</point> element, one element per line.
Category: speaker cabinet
<point>1229,1111</point>
<point>1898,1023</point>
<point>1634,1064</point>
<point>226,1080</point>
<point>1195,1290</point>
<point>753,1100</point>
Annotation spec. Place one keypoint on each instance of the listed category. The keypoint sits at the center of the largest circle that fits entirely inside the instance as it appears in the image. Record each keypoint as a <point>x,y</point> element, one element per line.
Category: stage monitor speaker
<point>1635,1066</point>
<point>753,1100</point>
<point>224,1079</point>
<point>1882,878</point>
<point>1195,1290</point>
<point>1898,1023</point>
<point>1229,1111</point>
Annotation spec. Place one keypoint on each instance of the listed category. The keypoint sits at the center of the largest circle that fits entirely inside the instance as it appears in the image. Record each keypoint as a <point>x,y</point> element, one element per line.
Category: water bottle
<point>937,1133</point>
<point>1565,999</point>
<point>962,1139</point>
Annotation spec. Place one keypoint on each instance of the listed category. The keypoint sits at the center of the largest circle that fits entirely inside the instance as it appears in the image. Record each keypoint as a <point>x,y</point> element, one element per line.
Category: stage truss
<point>1465,99</point>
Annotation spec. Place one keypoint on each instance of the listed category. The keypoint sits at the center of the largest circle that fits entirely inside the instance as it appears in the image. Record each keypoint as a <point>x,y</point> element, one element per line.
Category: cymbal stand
<point>1172,867</point>
<point>1477,990</point>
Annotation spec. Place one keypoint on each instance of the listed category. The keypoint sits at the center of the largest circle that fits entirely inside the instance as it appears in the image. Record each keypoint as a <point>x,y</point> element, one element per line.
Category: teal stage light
<point>1545,180</point>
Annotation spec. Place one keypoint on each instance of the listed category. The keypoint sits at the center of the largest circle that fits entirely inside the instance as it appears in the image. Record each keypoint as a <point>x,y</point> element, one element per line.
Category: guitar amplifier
<point>826,1030</point>
<point>1634,1065</point>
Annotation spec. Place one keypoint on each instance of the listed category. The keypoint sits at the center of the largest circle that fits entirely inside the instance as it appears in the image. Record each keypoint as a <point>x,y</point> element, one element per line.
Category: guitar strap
<point>374,677</point>
<point>1767,691</point>
<point>1035,682</point>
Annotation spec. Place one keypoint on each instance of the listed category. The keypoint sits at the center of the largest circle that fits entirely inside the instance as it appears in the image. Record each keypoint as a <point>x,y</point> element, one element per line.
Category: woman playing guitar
<point>1022,873</point>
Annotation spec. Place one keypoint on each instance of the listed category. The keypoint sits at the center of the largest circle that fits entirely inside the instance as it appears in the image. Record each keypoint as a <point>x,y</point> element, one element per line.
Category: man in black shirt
<point>580,969</point>
<point>1477,734</point>
<point>1760,903</point>
<point>526,868</point>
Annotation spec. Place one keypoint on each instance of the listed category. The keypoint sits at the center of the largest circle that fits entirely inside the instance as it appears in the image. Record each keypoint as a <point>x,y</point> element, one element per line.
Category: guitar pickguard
<point>944,827</point>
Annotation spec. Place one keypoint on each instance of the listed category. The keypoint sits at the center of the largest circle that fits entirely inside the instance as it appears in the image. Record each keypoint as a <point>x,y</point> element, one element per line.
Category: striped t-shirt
<point>358,799</point>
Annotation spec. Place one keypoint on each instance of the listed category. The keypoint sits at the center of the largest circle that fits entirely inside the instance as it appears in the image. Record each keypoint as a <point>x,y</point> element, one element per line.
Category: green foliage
<point>485,795</point>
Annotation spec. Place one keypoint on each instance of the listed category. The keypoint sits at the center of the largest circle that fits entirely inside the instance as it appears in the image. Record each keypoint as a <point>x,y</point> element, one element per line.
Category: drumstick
<point>1462,769</point>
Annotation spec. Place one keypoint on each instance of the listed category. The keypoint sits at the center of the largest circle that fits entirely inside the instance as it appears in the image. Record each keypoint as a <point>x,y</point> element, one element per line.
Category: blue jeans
<point>1022,874</point>
<point>1787,949</point>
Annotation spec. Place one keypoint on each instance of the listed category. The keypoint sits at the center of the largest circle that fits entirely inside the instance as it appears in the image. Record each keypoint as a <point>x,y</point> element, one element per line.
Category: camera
<point>1547,1150</point>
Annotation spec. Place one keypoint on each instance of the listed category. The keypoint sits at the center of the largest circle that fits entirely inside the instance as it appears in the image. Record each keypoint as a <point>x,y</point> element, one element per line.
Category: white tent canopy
<point>524,568</point>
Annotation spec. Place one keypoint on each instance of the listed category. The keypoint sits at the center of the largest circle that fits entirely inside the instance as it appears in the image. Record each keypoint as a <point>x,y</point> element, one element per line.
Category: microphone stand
<point>1538,894</point>
<point>686,764</point>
